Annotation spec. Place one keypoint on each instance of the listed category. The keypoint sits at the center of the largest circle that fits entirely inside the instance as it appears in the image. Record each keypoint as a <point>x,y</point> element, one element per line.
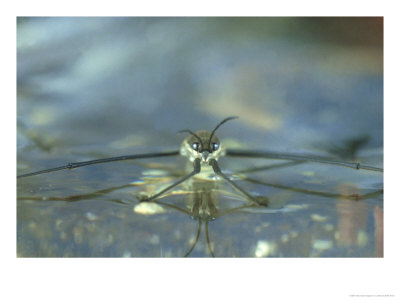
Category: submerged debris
<point>322,244</point>
<point>264,249</point>
<point>318,218</point>
<point>91,216</point>
<point>148,208</point>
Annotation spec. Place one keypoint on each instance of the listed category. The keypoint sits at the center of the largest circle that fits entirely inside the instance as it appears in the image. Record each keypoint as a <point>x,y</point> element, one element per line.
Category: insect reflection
<point>202,199</point>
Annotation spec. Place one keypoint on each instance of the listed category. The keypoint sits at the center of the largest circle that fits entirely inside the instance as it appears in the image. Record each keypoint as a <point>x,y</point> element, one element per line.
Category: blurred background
<point>100,87</point>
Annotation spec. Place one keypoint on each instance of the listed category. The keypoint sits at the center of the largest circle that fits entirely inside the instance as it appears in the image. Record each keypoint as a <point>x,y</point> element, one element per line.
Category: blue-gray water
<point>90,88</point>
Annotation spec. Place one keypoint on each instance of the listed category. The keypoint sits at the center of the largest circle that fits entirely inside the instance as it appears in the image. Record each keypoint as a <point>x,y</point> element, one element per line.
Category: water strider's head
<point>203,144</point>
<point>197,145</point>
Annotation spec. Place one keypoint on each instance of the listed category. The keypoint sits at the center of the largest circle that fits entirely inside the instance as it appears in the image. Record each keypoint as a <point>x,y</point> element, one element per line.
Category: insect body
<point>203,148</point>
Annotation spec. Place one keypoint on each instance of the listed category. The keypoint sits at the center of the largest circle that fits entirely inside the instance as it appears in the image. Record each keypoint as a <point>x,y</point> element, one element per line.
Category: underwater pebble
<point>91,216</point>
<point>284,238</point>
<point>318,218</point>
<point>154,239</point>
<point>148,208</point>
<point>58,224</point>
<point>322,244</point>
<point>264,248</point>
<point>199,245</point>
<point>191,240</point>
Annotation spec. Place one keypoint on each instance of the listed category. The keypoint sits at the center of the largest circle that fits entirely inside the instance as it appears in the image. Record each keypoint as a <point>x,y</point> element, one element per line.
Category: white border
<point>197,278</point>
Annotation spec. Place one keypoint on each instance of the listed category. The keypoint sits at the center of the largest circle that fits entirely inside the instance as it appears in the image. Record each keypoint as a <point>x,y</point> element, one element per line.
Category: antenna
<point>215,129</point>
<point>195,135</point>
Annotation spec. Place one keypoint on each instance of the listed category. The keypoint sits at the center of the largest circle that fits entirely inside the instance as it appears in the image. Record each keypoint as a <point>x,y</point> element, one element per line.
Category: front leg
<point>196,170</point>
<point>218,171</point>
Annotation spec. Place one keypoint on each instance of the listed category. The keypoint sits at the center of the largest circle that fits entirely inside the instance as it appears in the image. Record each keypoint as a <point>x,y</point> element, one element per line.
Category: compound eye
<point>195,146</point>
<point>215,146</point>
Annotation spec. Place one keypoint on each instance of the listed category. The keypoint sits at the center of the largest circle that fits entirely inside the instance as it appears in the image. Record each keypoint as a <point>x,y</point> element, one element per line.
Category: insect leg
<point>196,170</point>
<point>208,241</point>
<point>295,157</point>
<point>100,161</point>
<point>218,171</point>
<point>196,240</point>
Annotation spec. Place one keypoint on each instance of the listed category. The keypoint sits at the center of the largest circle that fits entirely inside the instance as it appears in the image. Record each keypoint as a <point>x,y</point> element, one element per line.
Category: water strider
<point>203,149</point>
<point>202,192</point>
